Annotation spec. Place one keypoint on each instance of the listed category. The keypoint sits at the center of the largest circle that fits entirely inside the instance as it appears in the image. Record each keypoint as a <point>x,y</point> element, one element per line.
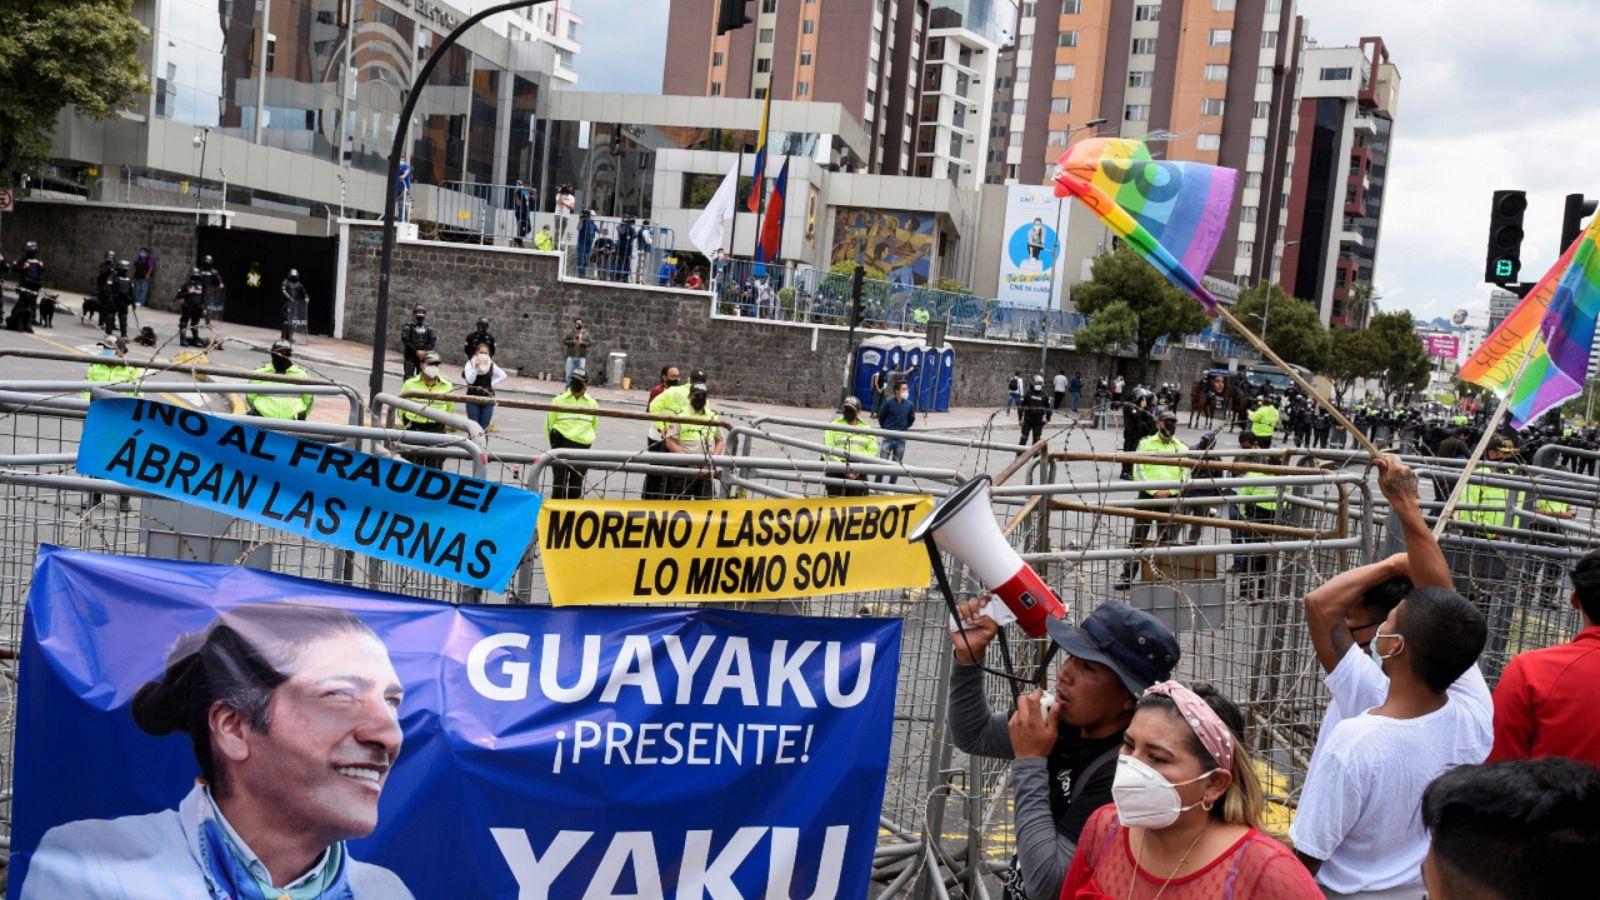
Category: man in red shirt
<point>1545,704</point>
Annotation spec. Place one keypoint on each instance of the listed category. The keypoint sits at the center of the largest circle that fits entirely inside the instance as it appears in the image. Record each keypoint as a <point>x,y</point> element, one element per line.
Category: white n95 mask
<point>431,371</point>
<point>1144,798</point>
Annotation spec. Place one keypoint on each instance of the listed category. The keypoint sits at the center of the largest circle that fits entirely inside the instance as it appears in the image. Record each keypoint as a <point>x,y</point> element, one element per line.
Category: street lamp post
<point>380,327</point>
<point>1055,264</point>
<point>201,140</point>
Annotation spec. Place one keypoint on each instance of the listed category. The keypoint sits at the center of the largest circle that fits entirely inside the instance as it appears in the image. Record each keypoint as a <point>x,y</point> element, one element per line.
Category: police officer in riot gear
<point>122,300</point>
<point>417,339</point>
<point>192,306</point>
<point>295,301</point>
<point>211,281</point>
<point>30,284</point>
<point>480,336</point>
<point>97,303</point>
<point>1033,412</point>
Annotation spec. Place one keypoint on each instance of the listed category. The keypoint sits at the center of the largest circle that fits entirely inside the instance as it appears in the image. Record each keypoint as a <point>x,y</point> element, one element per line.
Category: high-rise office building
<point>865,55</point>
<point>1211,81</point>
<point>552,23</point>
<point>958,86</point>
<point>1349,97</point>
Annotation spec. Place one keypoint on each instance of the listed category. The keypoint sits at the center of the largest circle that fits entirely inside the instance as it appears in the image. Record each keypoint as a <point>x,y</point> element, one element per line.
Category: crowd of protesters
<point>1422,783</point>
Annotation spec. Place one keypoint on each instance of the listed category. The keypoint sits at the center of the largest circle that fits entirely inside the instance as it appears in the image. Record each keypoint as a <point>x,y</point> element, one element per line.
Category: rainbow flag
<point>753,202</point>
<point>1555,323</point>
<point>1171,213</point>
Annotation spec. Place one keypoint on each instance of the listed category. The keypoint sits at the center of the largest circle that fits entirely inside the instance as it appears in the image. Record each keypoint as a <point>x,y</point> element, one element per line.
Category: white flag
<point>707,231</point>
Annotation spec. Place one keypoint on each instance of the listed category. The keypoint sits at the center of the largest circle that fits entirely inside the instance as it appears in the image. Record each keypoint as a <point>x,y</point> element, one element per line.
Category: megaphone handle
<point>937,564</point>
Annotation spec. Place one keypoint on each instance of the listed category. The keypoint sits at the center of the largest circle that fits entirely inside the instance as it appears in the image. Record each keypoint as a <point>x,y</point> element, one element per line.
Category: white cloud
<point>624,45</point>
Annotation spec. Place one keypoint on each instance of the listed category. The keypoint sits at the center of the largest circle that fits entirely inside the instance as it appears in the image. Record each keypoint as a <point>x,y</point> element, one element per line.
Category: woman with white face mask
<point>481,375</point>
<point>1185,813</point>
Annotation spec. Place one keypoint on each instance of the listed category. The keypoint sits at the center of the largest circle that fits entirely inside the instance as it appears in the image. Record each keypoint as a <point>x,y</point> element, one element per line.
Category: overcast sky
<point>1492,95</point>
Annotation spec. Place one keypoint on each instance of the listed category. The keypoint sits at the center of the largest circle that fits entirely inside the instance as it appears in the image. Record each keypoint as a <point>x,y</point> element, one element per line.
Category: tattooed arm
<point>1331,636</point>
<point>1426,561</point>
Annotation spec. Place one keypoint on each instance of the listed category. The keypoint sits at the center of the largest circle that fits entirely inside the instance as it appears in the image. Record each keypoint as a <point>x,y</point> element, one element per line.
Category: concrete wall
<point>74,237</point>
<point>531,305</point>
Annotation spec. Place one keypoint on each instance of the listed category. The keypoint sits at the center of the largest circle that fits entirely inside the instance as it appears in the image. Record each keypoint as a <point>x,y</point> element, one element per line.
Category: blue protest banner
<point>379,746</point>
<point>461,528</point>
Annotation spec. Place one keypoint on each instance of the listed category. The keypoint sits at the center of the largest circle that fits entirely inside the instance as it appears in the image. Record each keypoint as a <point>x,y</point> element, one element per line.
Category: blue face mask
<point>1378,656</point>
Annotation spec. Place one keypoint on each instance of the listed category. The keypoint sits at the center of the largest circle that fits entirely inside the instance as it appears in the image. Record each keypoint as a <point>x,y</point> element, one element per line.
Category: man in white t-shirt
<point>1400,717</point>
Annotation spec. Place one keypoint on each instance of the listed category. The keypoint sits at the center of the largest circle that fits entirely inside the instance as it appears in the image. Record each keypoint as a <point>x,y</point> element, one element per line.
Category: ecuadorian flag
<point>753,202</point>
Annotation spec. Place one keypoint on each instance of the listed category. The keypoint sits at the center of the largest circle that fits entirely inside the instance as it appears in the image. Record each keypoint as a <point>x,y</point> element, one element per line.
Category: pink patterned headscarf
<point>1213,733</point>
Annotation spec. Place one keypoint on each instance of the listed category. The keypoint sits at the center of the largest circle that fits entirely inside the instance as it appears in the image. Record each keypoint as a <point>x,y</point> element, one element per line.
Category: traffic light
<point>1577,210</point>
<point>1504,261</point>
<point>731,15</point>
<point>858,311</point>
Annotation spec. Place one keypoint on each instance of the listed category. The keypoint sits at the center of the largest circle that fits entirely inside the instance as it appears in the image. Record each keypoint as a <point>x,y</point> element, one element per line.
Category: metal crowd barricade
<point>945,816</point>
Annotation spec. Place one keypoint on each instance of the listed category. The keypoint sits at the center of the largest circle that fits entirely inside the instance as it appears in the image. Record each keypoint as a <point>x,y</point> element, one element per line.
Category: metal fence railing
<point>1090,534</point>
<point>743,288</point>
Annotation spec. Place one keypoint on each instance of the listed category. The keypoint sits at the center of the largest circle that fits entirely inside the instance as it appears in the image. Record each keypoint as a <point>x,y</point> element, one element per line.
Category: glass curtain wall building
<point>322,81</point>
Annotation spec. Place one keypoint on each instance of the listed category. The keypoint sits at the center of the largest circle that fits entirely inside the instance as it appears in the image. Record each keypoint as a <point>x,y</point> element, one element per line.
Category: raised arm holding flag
<point>1172,214</point>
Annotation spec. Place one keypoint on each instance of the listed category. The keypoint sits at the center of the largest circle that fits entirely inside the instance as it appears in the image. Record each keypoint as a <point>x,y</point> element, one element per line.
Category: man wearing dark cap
<point>847,439</point>
<point>574,429</point>
<point>700,438</point>
<point>292,711</point>
<point>428,380</point>
<point>1063,758</point>
<point>1492,499</point>
<point>1159,444</point>
<point>672,400</point>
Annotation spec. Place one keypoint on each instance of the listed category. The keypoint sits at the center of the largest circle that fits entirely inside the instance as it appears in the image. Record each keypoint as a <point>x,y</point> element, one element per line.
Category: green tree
<point>1111,326</point>
<point>950,285</point>
<point>1294,329</point>
<point>1352,355</point>
<point>1159,309</point>
<point>55,53</point>
<point>1360,304</point>
<point>1399,353</point>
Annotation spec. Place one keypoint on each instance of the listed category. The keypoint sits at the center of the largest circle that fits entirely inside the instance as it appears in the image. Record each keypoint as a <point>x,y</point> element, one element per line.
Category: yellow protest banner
<point>628,551</point>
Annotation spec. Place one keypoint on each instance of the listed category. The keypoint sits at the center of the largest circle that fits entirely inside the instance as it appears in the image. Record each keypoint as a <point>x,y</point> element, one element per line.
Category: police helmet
<point>294,275</point>
<point>419,308</point>
<point>30,246</point>
<point>483,323</point>
<point>206,260</point>
<point>111,256</point>
<point>282,347</point>
<point>194,272</point>
<point>122,266</point>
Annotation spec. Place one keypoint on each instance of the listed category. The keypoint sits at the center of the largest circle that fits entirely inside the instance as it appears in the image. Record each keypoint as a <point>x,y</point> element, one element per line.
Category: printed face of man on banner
<point>291,710</point>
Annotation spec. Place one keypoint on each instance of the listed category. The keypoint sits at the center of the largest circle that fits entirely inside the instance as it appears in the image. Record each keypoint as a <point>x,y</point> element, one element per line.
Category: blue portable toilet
<point>896,354</point>
<point>928,385</point>
<point>912,348</point>
<point>871,357</point>
<point>947,377</point>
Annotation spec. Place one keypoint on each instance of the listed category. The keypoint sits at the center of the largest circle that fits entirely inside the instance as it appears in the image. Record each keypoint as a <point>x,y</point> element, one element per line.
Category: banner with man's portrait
<point>195,730</point>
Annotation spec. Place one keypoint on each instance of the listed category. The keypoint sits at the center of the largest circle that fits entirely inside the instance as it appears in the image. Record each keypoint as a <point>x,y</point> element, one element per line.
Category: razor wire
<point>946,817</point>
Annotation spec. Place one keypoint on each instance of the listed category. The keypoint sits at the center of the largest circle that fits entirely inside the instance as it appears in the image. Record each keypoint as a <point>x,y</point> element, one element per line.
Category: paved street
<point>522,431</point>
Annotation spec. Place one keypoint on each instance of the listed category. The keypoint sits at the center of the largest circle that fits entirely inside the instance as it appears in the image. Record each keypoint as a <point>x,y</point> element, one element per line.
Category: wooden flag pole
<point>1483,445</point>
<point>1311,392</point>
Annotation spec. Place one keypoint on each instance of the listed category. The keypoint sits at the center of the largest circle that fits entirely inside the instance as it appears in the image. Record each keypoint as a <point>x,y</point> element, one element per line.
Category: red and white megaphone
<point>963,525</point>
